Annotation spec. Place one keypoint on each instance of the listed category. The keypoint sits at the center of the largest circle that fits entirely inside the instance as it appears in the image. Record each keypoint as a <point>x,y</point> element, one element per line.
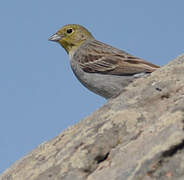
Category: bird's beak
<point>56,37</point>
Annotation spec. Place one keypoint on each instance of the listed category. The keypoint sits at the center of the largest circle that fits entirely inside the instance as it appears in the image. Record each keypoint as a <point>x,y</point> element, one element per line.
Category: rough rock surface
<point>138,135</point>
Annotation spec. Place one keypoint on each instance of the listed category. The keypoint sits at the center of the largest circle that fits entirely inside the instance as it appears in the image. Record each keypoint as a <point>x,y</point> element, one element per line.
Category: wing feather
<point>97,57</point>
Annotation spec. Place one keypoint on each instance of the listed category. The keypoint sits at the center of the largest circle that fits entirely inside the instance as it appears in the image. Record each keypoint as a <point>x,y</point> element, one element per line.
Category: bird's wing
<point>108,60</point>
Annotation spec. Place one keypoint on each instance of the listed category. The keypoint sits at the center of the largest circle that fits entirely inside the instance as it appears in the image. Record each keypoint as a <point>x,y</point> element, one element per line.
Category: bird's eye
<point>69,31</point>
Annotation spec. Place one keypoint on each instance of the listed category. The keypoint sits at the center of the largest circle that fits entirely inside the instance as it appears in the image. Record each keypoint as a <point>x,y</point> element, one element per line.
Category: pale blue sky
<point>39,95</point>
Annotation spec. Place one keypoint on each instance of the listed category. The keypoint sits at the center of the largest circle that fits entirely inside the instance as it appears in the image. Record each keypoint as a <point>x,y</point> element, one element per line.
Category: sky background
<point>39,95</point>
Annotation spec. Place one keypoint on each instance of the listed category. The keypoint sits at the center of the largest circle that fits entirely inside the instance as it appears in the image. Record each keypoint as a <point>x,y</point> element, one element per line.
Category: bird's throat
<point>69,47</point>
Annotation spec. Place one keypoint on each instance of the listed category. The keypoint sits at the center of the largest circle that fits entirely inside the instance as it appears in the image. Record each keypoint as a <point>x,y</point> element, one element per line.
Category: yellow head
<point>71,36</point>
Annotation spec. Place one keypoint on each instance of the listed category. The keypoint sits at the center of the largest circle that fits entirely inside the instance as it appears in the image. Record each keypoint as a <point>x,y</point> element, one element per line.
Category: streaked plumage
<point>103,69</point>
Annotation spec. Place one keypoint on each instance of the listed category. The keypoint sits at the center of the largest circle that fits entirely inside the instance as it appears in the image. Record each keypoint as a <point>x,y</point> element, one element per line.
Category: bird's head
<point>71,36</point>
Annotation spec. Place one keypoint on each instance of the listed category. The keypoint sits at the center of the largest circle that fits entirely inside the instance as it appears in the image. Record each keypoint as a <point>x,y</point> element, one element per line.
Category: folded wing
<point>102,58</point>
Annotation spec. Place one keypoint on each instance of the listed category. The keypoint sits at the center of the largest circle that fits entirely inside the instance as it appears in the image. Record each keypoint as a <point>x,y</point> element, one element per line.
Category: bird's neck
<point>69,46</point>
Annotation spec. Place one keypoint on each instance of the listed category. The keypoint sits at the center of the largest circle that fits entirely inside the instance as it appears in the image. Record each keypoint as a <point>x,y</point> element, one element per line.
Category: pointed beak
<point>56,37</point>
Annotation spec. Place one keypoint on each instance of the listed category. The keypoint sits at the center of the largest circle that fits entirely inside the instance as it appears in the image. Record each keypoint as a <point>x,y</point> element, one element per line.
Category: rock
<point>138,135</point>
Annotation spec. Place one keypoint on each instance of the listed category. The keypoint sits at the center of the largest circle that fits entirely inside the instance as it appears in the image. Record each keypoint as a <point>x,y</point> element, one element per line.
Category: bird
<point>103,69</point>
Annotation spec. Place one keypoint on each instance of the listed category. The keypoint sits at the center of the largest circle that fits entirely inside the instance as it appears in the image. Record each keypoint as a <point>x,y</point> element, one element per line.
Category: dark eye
<point>69,31</point>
